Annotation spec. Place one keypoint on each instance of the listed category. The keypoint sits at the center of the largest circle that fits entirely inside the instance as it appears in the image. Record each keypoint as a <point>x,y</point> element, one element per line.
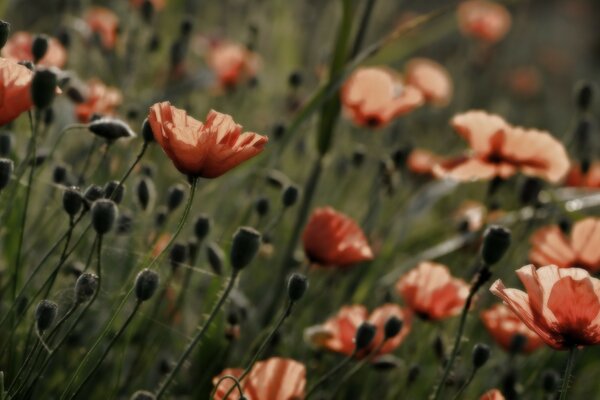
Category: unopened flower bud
<point>413,374</point>
<point>517,343</point>
<point>143,395</point>
<point>4,32</point>
<point>93,193</point>
<point>364,335</point>
<point>147,11</point>
<point>496,241</point>
<point>124,223</point>
<point>6,144</point>
<point>85,287</point>
<point>177,255</point>
<point>584,95</point>
<point>175,196</point>
<point>278,131</point>
<point>359,155</point>
<point>64,37</point>
<point>39,47</point>
<point>481,354</point>
<point>277,179</point>
<point>565,224</point>
<point>295,79</point>
<point>392,327</point>
<point>297,285</point>
<point>110,129</point>
<point>146,192</point>
<point>550,381</point>
<point>72,201</point>
<point>186,26</point>
<point>290,195</point>
<point>202,226</point>
<point>161,216</point>
<point>192,250</point>
<point>6,170</point>
<point>114,191</point>
<point>146,283</point>
<point>59,174</point>
<point>45,313</point>
<point>147,133</point>
<point>43,88</point>
<point>246,242</point>
<point>215,258</point>
<point>387,362</point>
<point>262,206</point>
<point>104,215</point>
<point>530,191</point>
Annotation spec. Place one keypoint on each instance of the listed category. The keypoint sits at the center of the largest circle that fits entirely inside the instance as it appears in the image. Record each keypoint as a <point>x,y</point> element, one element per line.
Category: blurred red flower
<point>272,379</point>
<point>590,179</point>
<point>485,20</point>
<point>373,96</point>
<point>105,24</point>
<point>432,79</point>
<point>337,333</point>
<point>431,292</point>
<point>18,48</point>
<point>199,149</point>
<point>501,150</point>
<point>551,246</point>
<point>504,325</point>
<point>99,99</point>
<point>232,62</point>
<point>15,96</point>
<point>493,394</point>
<point>333,239</point>
<point>561,305</point>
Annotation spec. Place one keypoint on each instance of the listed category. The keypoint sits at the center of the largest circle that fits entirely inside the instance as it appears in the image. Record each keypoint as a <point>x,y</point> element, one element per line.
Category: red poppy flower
<point>432,79</point>
<point>337,333</point>
<point>551,246</point>
<point>99,99</point>
<point>373,96</point>
<point>272,379</point>
<point>504,325</point>
<point>485,20</point>
<point>590,179</point>
<point>199,149</point>
<point>15,96</point>
<point>501,150</point>
<point>331,238</point>
<point>431,292</point>
<point>493,394</point>
<point>105,24</point>
<point>525,81</point>
<point>157,4</point>
<point>232,63</point>
<point>18,48</point>
<point>562,305</point>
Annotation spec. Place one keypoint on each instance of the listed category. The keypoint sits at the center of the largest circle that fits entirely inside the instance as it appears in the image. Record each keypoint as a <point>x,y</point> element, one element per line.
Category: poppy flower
<point>504,326</point>
<point>332,238</point>
<point>18,48</point>
<point>99,99</point>
<point>484,20</point>
<point>551,246</point>
<point>15,96</point>
<point>501,150</point>
<point>472,214</point>
<point>432,79</point>
<point>232,63</point>
<point>590,179</point>
<point>373,96</point>
<point>561,305</point>
<point>272,379</point>
<point>157,4</point>
<point>199,149</point>
<point>525,81</point>
<point>431,292</point>
<point>105,24</point>
<point>337,333</point>
<point>493,394</point>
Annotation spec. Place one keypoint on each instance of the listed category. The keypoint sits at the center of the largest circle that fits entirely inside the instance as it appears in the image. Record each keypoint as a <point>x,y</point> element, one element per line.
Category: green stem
<point>333,371</point>
<point>236,383</point>
<point>568,372</point>
<point>465,385</point>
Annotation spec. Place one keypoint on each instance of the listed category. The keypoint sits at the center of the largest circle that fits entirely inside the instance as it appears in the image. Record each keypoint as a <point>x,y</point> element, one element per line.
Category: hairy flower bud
<point>175,196</point>
<point>496,241</point>
<point>146,283</point>
<point>392,327</point>
<point>481,354</point>
<point>290,195</point>
<point>72,201</point>
<point>146,192</point>
<point>147,133</point>
<point>202,226</point>
<point>43,88</point>
<point>246,242</point>
<point>45,313</point>
<point>297,285</point>
<point>114,191</point>
<point>85,287</point>
<point>39,47</point>
<point>110,129</point>
<point>364,335</point>
<point>215,258</point>
<point>4,32</point>
<point>104,215</point>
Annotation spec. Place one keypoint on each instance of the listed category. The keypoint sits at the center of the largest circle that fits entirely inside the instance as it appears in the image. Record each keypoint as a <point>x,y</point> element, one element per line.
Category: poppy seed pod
<point>45,313</point>
<point>262,206</point>
<point>295,79</point>
<point>177,255</point>
<point>146,283</point>
<point>147,133</point>
<point>85,287</point>
<point>161,216</point>
<point>290,195</point>
<point>110,129</point>
<point>192,250</point>
<point>104,215</point>
<point>6,169</point>
<point>584,95</point>
<point>481,354</point>
<point>4,31</point>
<point>392,327</point>
<point>215,258</point>
<point>202,226</point>
<point>59,174</point>
<point>550,381</point>
<point>124,223</point>
<point>43,88</point>
<point>143,395</point>
<point>6,144</point>
<point>93,193</point>
<point>364,335</point>
<point>297,285</point>
<point>246,242</point>
<point>146,192</point>
<point>413,373</point>
<point>72,201</point>
<point>175,196</point>
<point>278,131</point>
<point>114,191</point>
<point>186,26</point>
<point>496,241</point>
<point>39,47</point>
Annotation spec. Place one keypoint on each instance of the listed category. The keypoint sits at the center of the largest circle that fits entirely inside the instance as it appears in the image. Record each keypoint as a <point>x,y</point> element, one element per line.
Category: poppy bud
<point>72,201</point>
<point>85,287</point>
<point>277,179</point>
<point>481,354</point>
<point>4,31</point>
<point>530,191</point>
<point>43,88</point>
<point>413,373</point>
<point>438,348</point>
<point>161,216</point>
<point>202,226</point>
<point>6,169</point>
<point>59,174</point>
<point>147,133</point>
<point>104,215</point>
<point>40,157</point>
<point>39,47</point>
<point>297,285</point>
<point>386,362</point>
<point>64,37</point>
<point>146,283</point>
<point>517,343</point>
<point>147,170</point>
<point>364,335</point>
<point>192,250</point>
<point>295,79</point>
<point>146,192</point>
<point>584,95</point>
<point>400,156</point>
<point>358,155</point>
<point>550,381</point>
<point>278,131</point>
<point>93,193</point>
<point>262,206</point>
<point>45,313</point>
<point>246,242</point>
<point>496,241</point>
<point>110,129</point>
<point>143,395</point>
<point>27,64</point>
<point>153,43</point>
<point>565,224</point>
<point>177,255</point>
<point>290,195</point>
<point>6,144</point>
<point>114,191</point>
<point>178,51</point>
<point>124,223</point>
<point>392,327</point>
<point>175,196</point>
<point>147,11</point>
<point>186,26</point>
<point>215,257</point>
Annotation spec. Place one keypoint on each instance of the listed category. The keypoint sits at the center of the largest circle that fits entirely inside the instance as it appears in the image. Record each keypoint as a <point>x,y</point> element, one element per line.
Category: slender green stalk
<point>87,162</point>
<point>328,375</point>
<point>465,385</point>
<point>165,384</point>
<point>568,372</point>
<point>236,383</point>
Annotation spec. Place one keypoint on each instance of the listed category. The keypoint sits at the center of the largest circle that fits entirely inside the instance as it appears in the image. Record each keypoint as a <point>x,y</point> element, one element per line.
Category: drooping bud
<point>175,196</point>
<point>45,313</point>
<point>110,129</point>
<point>392,327</point>
<point>104,215</point>
<point>39,47</point>
<point>364,335</point>
<point>202,226</point>
<point>85,287</point>
<point>146,283</point>
<point>4,32</point>
<point>6,170</point>
<point>72,201</point>
<point>146,192</point>
<point>246,242</point>
<point>43,88</point>
<point>114,191</point>
<point>481,354</point>
<point>496,241</point>
<point>215,258</point>
<point>290,195</point>
<point>297,285</point>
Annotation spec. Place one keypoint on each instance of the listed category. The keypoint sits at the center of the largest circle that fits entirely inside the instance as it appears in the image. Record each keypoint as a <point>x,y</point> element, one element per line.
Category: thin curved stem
<point>568,372</point>
<point>236,384</point>
<point>465,385</point>
<point>328,375</point>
